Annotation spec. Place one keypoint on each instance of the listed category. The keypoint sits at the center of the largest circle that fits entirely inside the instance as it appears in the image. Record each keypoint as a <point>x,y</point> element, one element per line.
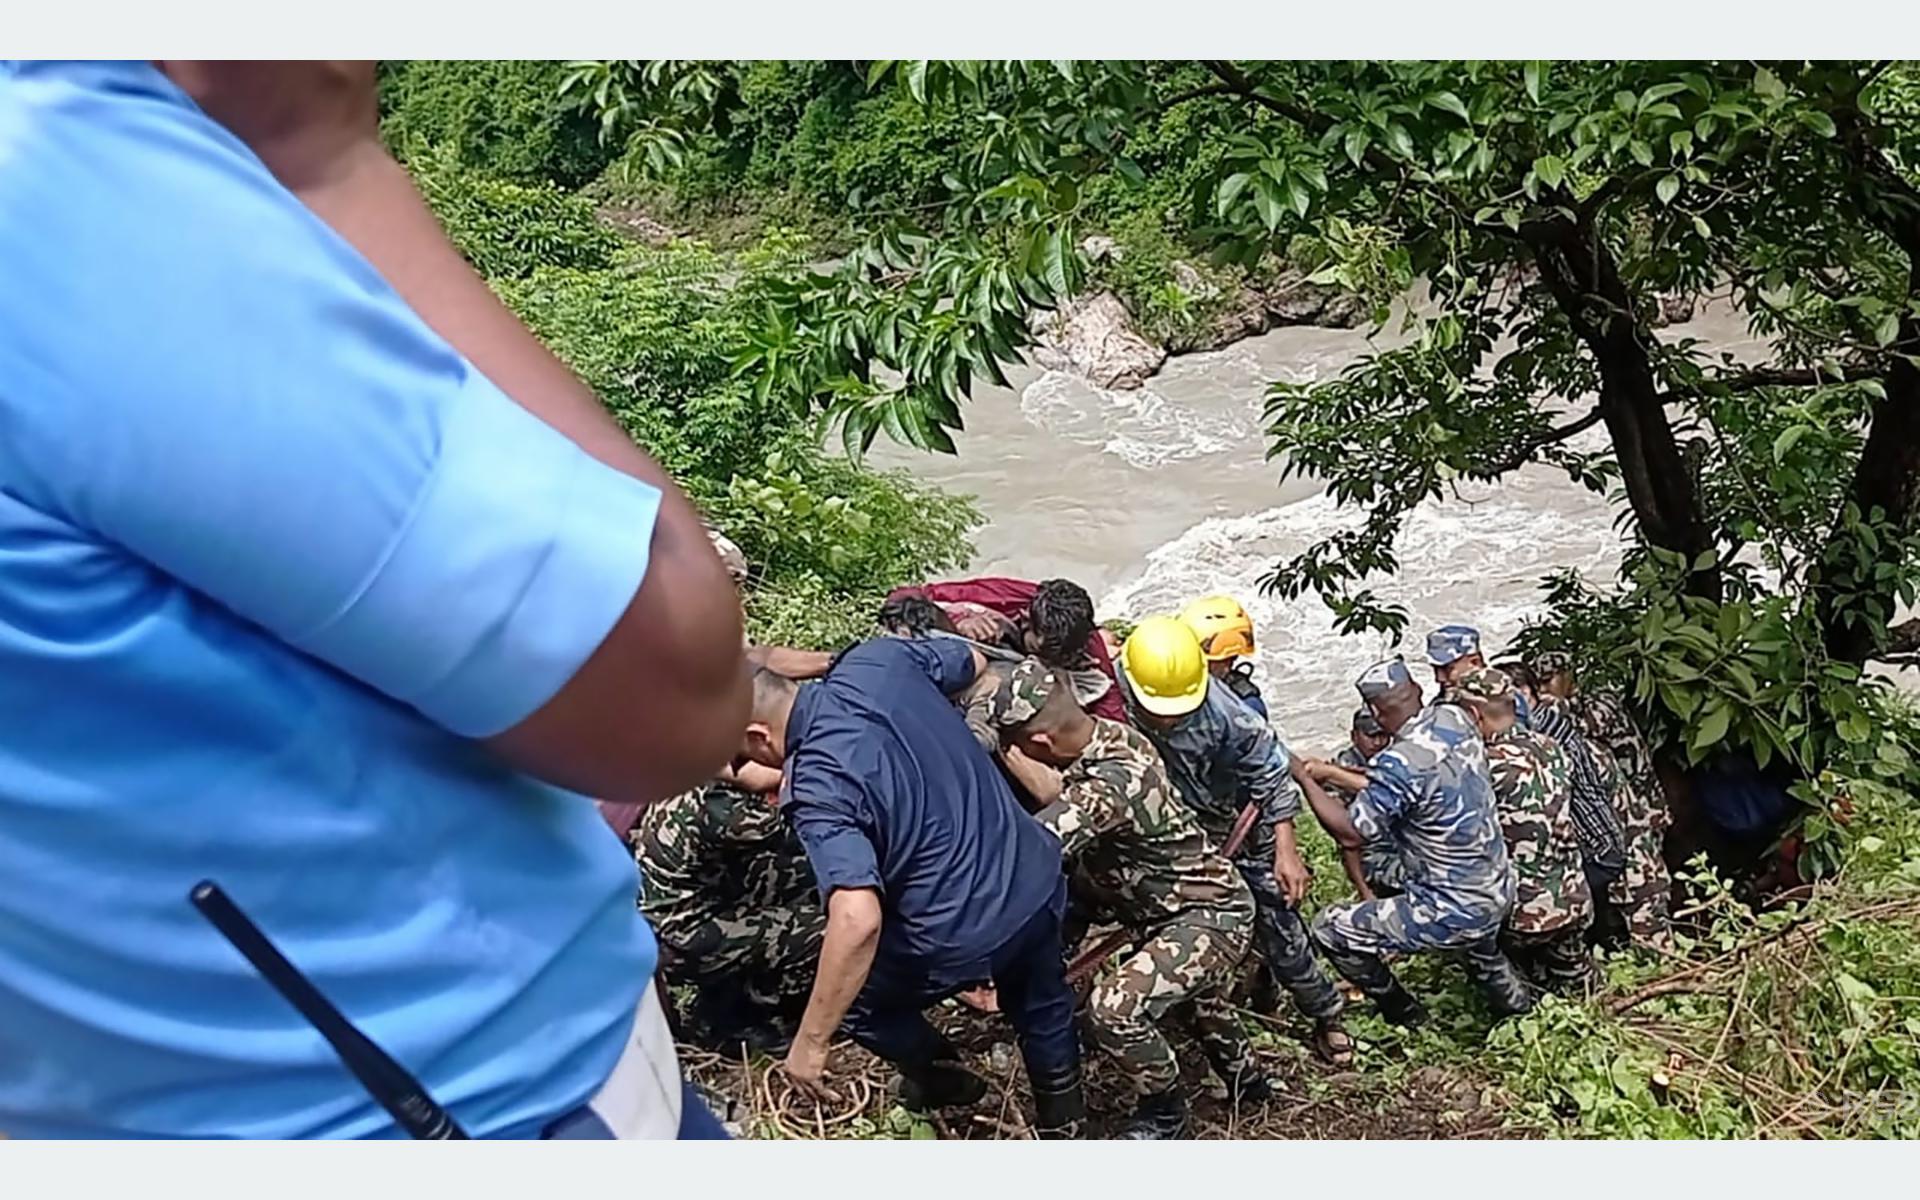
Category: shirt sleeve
<point>824,807</point>
<point>948,662</point>
<point>1088,807</point>
<point>201,373</point>
<point>1381,803</point>
<point>1261,762</point>
<point>1008,597</point>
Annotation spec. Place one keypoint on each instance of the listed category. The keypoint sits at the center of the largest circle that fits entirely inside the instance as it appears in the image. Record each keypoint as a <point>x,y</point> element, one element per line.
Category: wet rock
<point>1292,300</point>
<point>1094,337</point>
<point>637,224</point>
<point>1098,248</point>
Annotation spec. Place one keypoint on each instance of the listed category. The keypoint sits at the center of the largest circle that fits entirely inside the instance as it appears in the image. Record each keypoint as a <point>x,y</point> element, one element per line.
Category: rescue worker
<point>1221,757</point>
<point>935,880</point>
<point>1226,638</point>
<point>1545,934</point>
<point>1430,790</point>
<point>726,887</point>
<point>1642,894</point>
<point>1375,869</point>
<point>1141,849</point>
<point>1594,783</point>
<point>1454,650</point>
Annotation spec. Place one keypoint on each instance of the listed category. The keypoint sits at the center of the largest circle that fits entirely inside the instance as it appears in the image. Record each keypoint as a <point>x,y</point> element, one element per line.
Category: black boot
<point>939,1085</point>
<point>1059,1107</point>
<point>1250,1086</point>
<point>1400,1007</point>
<point>1160,1117</point>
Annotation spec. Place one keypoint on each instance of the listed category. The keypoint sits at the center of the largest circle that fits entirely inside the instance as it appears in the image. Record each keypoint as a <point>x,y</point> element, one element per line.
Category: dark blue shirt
<point>888,790</point>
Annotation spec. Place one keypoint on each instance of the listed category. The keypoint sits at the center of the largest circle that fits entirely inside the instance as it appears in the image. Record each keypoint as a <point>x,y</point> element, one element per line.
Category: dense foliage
<point>1548,211</point>
<point>658,333</point>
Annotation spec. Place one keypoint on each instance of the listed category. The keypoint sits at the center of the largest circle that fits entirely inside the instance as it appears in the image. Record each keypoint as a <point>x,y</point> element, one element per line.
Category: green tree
<point>1547,209</point>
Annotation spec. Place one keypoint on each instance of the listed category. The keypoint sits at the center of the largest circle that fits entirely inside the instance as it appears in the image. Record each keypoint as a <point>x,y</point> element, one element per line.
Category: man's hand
<point>981,625</point>
<point>1292,876</point>
<point>806,1065</point>
<point>752,777</point>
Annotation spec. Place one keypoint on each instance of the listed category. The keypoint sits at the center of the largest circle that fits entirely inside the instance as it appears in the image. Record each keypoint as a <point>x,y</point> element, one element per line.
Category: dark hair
<point>1061,617</point>
<point>1519,673</point>
<point>914,616</point>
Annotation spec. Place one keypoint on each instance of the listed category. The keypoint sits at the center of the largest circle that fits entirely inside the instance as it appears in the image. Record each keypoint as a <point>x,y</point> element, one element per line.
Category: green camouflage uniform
<point>1139,846</point>
<point>1545,934</point>
<point>1643,891</point>
<point>727,889</point>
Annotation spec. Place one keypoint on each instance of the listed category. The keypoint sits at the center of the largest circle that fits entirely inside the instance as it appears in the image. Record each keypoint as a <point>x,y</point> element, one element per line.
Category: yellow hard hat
<point>1165,667</point>
<point>1223,627</point>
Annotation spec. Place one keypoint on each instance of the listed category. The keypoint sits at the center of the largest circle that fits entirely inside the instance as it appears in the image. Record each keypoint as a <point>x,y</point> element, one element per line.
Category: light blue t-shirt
<point>271,553</point>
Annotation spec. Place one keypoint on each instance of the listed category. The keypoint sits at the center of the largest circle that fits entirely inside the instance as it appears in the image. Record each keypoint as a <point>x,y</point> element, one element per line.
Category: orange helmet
<point>1223,627</point>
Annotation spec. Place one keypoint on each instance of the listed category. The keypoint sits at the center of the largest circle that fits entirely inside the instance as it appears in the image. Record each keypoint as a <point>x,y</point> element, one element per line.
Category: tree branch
<point>1541,441</point>
<point>1759,377</point>
<point>1238,84</point>
<point>1212,89</point>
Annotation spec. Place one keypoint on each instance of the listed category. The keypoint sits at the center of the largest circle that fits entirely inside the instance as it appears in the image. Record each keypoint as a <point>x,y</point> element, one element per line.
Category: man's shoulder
<point>1121,755</point>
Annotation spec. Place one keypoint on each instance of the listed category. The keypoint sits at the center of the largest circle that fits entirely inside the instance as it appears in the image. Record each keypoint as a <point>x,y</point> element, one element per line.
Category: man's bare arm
<point>659,705</point>
<point>846,958</point>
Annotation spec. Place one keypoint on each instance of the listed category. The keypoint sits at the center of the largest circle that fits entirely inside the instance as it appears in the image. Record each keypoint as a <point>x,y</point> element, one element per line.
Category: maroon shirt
<point>1010,598</point>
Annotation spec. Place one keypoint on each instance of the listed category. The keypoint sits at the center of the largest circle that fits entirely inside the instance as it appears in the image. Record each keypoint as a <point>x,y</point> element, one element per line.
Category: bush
<point>502,118</point>
<point>508,230</point>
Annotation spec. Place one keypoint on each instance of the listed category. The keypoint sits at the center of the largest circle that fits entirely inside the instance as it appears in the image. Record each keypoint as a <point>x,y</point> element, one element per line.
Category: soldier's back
<point>1448,830</point>
<point>1532,788</point>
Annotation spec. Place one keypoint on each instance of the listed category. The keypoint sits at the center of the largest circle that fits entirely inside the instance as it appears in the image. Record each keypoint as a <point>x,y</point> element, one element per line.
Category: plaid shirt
<point>1602,844</point>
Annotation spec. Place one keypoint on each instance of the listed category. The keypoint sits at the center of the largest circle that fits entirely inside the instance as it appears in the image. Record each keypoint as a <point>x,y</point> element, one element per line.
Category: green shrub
<point>502,118</point>
<point>507,230</point>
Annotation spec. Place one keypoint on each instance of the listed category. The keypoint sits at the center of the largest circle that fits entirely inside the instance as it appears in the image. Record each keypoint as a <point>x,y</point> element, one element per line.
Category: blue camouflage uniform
<point>1431,791</point>
<point>1221,757</point>
<point>1451,643</point>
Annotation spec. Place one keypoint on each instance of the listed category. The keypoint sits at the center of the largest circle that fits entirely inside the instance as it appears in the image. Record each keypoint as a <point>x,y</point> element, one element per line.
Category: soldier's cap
<point>1545,664</point>
<point>1023,693</point>
<point>1366,724</point>
<point>1483,684</point>
<point>1451,643</point>
<point>1383,677</point>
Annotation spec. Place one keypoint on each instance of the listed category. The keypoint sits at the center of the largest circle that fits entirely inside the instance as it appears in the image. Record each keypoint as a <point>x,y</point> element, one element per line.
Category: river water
<point>1152,497</point>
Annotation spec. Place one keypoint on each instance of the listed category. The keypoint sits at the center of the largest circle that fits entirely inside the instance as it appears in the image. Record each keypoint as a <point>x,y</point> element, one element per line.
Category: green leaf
<point>1887,329</point>
<point>1054,263</point>
<point>917,79</point>
<point>1448,102</point>
<point>1550,169</point>
<point>1701,227</point>
<point>1819,122</point>
<point>1230,190</point>
<point>1642,153</point>
<point>1267,204</point>
<point>1531,73</point>
<point>1667,188</point>
<point>1400,140</point>
<point>1356,144</point>
<point>877,69</point>
<point>1712,728</point>
<point>1767,85</point>
<point>1789,437</point>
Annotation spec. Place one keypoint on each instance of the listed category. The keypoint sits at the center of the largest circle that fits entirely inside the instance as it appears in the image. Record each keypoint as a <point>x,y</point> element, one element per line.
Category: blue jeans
<point>888,1017</point>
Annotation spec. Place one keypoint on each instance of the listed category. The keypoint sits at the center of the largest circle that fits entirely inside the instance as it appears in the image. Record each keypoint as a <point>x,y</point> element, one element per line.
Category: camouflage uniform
<point>1136,844</point>
<point>1220,757</point>
<point>1432,793</point>
<point>731,899</point>
<point>1545,933</point>
<point>1379,858</point>
<point>1643,892</point>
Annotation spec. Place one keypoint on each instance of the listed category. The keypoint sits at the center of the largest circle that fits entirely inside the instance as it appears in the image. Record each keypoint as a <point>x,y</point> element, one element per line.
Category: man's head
<point>1390,693</point>
<point>1552,673</point>
<point>1520,676</point>
<point>1034,709</point>
<point>764,740</point>
<point>1452,651</point>
<point>914,616</point>
<point>1488,695</point>
<point>1369,736</point>
<point>1059,622</point>
<point>1165,671</point>
<point>1224,629</point>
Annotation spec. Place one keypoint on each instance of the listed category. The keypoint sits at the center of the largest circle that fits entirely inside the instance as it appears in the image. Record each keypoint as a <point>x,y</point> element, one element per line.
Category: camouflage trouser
<point>1559,961</point>
<point>1184,968</point>
<point>1282,939</point>
<point>767,954</point>
<point>1355,935</point>
<point>1643,891</point>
